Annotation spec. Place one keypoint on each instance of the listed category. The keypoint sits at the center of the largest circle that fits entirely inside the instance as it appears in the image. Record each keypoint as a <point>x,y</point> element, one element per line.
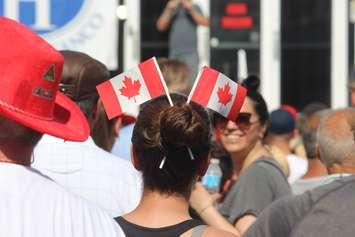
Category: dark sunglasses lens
<point>218,120</point>
<point>243,120</point>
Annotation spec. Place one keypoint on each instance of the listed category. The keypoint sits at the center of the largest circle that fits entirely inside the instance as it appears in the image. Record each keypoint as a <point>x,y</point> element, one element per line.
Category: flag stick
<point>242,68</point>
<point>188,101</point>
<point>163,82</point>
<point>194,86</point>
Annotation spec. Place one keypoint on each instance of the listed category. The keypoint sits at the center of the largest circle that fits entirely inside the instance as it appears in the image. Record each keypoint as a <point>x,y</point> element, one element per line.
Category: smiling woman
<point>261,178</point>
<point>242,138</point>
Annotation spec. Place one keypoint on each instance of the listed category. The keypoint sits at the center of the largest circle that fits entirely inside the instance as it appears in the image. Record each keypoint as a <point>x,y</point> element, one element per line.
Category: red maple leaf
<point>130,88</point>
<point>224,95</point>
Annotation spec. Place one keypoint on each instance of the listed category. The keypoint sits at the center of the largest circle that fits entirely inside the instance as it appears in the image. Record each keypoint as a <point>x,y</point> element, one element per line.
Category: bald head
<point>336,137</point>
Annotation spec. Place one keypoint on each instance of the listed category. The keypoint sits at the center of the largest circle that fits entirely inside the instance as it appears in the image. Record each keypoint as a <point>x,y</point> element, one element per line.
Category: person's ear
<point>117,126</point>
<point>293,134</point>
<point>134,159</point>
<point>204,165</point>
<point>263,131</point>
<point>317,152</point>
<point>95,112</point>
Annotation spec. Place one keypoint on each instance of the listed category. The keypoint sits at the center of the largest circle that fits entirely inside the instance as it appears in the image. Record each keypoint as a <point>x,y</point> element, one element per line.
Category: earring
<point>261,136</point>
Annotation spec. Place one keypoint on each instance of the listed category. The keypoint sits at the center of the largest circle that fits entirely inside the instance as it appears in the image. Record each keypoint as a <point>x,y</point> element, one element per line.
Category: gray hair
<point>336,137</point>
<point>307,113</point>
<point>309,132</point>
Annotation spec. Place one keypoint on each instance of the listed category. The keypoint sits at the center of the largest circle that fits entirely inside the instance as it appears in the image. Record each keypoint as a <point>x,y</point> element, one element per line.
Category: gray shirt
<point>303,185</point>
<point>326,211</point>
<point>258,186</point>
<point>183,37</point>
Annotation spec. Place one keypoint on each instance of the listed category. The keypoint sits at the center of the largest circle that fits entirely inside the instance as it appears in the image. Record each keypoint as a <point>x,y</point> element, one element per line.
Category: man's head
<point>176,74</point>
<point>307,113</point>
<point>281,124</point>
<point>308,123</point>
<point>336,138</point>
<point>30,70</point>
<point>81,75</point>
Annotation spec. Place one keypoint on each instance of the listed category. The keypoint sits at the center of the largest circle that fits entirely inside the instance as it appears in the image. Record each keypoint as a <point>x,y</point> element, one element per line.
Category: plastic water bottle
<point>212,178</point>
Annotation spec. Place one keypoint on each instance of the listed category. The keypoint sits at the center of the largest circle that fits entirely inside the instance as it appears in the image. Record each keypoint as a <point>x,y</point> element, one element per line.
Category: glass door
<point>305,52</point>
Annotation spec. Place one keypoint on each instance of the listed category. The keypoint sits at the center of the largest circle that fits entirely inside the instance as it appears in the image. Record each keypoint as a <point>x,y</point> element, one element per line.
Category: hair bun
<point>180,126</point>
<point>252,83</point>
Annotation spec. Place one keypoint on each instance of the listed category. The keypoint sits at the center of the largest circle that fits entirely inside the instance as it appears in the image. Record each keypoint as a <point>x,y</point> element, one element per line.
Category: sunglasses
<point>243,121</point>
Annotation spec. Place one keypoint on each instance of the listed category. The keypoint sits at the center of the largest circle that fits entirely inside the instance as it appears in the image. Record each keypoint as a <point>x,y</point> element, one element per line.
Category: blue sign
<point>43,16</point>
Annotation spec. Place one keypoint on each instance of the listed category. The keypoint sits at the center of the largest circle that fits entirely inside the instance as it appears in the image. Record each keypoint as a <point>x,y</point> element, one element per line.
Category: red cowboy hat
<point>30,71</point>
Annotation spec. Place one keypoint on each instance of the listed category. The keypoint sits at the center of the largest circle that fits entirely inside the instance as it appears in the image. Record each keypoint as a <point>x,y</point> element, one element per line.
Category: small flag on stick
<point>216,91</point>
<point>132,88</point>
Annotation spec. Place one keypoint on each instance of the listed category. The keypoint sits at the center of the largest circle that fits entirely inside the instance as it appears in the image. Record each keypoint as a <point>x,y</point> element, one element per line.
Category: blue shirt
<point>122,145</point>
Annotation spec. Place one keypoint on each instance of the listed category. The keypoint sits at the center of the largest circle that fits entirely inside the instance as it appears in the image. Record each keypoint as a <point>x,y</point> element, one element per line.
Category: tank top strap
<point>198,230</point>
<point>133,230</point>
<point>189,224</point>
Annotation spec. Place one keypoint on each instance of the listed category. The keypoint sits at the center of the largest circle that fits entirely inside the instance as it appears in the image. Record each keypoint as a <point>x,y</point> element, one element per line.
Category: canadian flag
<point>216,91</point>
<point>129,89</point>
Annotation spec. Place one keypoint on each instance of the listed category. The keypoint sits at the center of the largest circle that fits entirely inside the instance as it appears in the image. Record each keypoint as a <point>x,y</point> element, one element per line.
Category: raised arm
<point>244,223</point>
<point>202,202</point>
<point>196,15</point>
<point>164,19</point>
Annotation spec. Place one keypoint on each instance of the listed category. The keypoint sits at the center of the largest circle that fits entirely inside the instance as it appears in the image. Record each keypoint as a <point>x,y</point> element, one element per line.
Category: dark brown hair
<point>103,129</point>
<point>252,83</point>
<point>168,131</point>
<point>13,132</point>
<point>225,161</point>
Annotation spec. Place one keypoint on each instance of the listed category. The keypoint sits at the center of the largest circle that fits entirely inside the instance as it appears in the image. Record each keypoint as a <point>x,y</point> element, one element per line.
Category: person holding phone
<point>182,17</point>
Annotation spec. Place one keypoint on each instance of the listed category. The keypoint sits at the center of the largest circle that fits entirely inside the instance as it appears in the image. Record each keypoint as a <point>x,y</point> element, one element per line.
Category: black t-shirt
<point>327,211</point>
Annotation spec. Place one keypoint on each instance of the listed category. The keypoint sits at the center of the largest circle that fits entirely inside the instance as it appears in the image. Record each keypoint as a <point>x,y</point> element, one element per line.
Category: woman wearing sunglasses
<point>261,178</point>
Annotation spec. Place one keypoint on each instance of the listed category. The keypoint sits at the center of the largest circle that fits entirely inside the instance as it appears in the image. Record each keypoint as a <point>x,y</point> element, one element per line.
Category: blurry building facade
<point>302,50</point>
<point>297,55</point>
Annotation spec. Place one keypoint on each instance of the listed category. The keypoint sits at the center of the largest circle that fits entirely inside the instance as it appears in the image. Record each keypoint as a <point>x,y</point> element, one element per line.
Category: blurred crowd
<point>67,170</point>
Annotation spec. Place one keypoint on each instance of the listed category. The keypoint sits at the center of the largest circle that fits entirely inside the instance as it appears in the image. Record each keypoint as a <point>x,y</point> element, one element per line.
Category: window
<point>305,54</point>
